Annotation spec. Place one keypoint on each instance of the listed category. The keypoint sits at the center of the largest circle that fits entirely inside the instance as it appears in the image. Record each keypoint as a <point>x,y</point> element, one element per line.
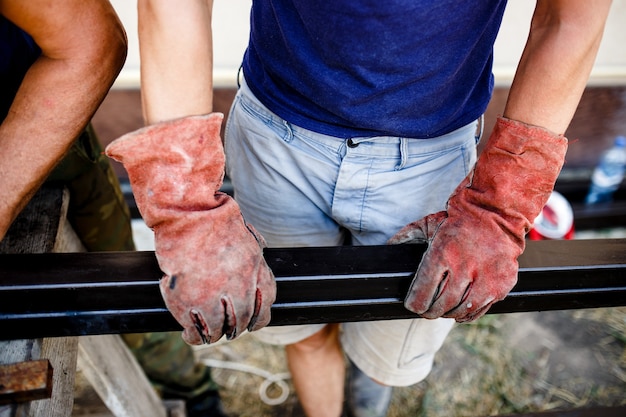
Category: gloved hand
<point>216,280</point>
<point>471,261</point>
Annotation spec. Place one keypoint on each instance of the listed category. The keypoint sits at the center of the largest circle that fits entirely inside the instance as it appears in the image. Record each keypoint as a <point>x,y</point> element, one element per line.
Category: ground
<point>501,364</point>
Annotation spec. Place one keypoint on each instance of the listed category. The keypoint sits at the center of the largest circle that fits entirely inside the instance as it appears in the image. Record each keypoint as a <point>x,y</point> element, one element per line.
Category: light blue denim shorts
<point>301,188</point>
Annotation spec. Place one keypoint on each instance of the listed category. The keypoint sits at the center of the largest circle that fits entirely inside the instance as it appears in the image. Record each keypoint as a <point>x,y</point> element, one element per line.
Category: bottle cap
<point>620,141</point>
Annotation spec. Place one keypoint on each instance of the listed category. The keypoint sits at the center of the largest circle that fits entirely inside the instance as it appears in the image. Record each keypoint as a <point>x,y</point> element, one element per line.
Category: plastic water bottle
<point>609,173</point>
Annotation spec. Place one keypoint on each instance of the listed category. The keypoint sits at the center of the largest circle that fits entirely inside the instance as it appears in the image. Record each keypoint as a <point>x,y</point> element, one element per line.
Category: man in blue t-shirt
<point>356,123</point>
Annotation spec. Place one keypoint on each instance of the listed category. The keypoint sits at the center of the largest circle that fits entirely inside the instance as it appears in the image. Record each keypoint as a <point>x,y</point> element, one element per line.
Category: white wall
<point>231,26</point>
<point>610,67</point>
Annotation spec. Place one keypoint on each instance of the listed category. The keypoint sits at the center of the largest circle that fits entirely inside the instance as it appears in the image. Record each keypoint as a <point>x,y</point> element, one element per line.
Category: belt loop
<point>288,131</point>
<point>404,152</point>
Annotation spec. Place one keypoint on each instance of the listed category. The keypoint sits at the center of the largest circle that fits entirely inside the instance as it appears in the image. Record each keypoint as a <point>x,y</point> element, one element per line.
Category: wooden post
<point>114,373</point>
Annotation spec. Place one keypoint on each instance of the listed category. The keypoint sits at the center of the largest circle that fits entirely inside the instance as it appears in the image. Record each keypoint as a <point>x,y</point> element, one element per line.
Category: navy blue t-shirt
<point>18,51</point>
<point>354,68</point>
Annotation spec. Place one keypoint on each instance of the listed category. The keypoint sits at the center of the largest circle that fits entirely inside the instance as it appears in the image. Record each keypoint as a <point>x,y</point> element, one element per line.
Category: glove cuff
<point>514,175</point>
<point>176,165</point>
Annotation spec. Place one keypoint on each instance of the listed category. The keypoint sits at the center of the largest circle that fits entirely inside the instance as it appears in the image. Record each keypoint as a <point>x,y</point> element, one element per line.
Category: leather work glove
<point>471,261</point>
<point>216,280</point>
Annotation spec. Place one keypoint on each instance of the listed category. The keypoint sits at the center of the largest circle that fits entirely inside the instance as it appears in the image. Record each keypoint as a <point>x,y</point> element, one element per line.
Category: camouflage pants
<point>101,219</point>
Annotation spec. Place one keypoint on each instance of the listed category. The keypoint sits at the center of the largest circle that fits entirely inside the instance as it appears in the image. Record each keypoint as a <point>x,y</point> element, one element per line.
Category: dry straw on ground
<point>501,364</point>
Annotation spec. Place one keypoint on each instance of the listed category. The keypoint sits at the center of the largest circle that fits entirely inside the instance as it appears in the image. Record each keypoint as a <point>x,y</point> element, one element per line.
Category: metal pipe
<point>47,295</point>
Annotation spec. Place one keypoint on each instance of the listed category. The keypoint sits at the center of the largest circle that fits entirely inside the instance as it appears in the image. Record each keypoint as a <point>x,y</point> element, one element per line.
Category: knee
<point>327,338</point>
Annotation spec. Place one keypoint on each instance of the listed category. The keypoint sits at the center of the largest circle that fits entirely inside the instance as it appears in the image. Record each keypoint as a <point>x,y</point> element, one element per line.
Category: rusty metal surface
<point>48,295</point>
<point>25,381</point>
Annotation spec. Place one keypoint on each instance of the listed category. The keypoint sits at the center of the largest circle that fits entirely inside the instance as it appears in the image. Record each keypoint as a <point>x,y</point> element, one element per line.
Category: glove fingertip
<point>421,293</point>
<point>471,317</point>
<point>191,337</point>
<point>257,323</point>
<point>262,312</point>
<point>412,303</point>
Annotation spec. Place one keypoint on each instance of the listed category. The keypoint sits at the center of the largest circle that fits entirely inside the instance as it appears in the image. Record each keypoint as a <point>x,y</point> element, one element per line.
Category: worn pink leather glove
<point>216,280</point>
<point>471,261</point>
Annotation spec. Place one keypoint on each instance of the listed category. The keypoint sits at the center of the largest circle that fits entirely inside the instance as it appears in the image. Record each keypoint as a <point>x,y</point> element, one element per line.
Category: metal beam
<point>46,295</point>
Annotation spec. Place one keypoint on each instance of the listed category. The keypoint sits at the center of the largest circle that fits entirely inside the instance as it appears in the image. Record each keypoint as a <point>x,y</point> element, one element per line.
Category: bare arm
<point>175,168</point>
<point>557,60</point>
<point>493,208</point>
<point>176,48</point>
<point>83,48</point>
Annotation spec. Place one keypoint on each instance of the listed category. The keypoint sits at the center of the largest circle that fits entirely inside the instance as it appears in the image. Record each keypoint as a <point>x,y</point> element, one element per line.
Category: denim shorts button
<point>351,143</point>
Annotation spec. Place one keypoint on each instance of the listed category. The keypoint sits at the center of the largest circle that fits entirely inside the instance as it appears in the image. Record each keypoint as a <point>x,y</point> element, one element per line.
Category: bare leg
<point>318,370</point>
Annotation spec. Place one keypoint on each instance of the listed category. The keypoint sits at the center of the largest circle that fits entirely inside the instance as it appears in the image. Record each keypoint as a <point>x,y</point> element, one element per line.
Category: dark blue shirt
<point>351,68</point>
<point>18,51</point>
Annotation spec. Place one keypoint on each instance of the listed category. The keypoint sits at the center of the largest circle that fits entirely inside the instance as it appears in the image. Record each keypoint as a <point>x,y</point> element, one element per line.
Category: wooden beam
<point>116,376</point>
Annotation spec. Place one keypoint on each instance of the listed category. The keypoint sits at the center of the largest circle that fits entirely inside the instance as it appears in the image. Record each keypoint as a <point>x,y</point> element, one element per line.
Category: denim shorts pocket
<point>261,116</point>
<point>253,110</point>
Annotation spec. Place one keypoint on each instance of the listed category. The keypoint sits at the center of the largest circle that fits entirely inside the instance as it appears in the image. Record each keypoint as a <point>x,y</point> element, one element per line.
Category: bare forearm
<point>556,62</point>
<point>58,96</point>
<point>176,50</point>
<point>47,116</point>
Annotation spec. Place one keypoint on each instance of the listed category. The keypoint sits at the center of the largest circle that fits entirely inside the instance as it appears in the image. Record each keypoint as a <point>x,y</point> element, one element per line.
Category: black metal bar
<point>599,216</point>
<point>46,295</point>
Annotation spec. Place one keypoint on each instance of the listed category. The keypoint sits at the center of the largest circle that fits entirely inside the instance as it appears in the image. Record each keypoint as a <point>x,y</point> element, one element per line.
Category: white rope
<point>269,379</point>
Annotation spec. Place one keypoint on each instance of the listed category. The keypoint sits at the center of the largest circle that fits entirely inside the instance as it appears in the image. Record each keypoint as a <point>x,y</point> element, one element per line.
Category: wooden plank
<point>25,381</point>
<point>40,228</point>
<point>114,373</point>
<point>35,228</point>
